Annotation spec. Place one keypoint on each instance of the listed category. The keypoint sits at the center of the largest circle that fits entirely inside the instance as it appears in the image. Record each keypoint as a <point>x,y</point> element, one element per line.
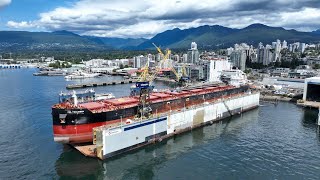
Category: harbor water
<point>272,142</point>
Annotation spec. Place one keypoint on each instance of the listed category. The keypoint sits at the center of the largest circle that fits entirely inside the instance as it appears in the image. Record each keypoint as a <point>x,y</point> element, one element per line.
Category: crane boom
<point>175,72</point>
<point>184,71</point>
<point>159,50</point>
<point>164,59</point>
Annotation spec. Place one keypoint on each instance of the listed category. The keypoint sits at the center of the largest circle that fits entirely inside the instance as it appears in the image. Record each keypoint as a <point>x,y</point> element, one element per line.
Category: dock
<point>110,83</point>
<point>87,150</point>
<point>10,66</point>
<point>309,104</point>
<point>275,99</point>
<point>270,99</point>
<point>291,80</point>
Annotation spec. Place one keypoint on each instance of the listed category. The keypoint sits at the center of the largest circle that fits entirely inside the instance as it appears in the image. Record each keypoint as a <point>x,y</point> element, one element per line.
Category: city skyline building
<point>267,55</point>
<point>193,54</point>
<point>238,59</point>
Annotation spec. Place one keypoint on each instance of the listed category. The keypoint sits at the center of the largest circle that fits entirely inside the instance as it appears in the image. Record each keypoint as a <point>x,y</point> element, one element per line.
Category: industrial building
<point>312,89</point>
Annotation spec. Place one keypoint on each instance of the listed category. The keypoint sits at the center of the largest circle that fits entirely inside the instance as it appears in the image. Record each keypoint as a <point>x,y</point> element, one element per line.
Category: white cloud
<point>4,3</point>
<point>148,29</point>
<point>306,19</point>
<point>20,25</point>
<point>144,18</point>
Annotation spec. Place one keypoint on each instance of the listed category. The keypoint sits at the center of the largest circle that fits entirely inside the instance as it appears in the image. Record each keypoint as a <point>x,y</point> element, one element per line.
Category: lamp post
<point>187,100</point>
<point>121,121</point>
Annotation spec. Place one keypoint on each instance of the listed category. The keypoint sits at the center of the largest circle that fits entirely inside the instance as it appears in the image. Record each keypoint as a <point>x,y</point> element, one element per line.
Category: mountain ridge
<point>316,31</point>
<point>221,37</point>
<point>206,36</point>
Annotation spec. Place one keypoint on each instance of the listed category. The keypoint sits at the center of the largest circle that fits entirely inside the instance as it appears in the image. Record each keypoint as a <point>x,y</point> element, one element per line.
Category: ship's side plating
<point>112,141</point>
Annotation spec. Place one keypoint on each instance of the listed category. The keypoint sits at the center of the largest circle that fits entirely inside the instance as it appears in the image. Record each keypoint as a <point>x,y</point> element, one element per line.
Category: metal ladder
<point>225,104</point>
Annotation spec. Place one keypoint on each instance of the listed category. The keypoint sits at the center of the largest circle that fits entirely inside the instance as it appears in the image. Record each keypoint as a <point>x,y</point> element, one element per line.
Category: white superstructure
<point>216,66</point>
<point>234,77</point>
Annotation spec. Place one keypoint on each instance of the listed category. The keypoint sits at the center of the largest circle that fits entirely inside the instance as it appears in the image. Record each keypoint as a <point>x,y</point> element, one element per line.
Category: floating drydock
<point>112,140</point>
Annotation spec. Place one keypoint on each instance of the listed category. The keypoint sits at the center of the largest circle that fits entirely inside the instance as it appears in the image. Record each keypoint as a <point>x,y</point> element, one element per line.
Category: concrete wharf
<point>96,84</point>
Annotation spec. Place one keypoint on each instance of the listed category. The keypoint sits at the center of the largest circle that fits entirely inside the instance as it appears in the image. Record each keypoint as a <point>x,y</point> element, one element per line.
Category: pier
<point>10,66</point>
<point>275,99</point>
<point>271,99</point>
<point>309,104</point>
<point>110,83</point>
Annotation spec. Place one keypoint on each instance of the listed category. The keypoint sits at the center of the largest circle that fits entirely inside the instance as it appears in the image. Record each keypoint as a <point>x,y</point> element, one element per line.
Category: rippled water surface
<point>271,142</point>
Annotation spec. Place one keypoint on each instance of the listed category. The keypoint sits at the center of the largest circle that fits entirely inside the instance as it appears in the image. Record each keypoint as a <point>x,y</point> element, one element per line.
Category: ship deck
<point>155,97</point>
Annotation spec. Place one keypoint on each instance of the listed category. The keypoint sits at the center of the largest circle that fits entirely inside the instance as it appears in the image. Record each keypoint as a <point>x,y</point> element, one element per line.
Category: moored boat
<point>51,72</point>
<point>81,75</point>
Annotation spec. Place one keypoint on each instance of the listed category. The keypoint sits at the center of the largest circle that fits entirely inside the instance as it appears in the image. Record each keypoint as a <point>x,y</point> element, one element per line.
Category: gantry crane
<point>145,75</point>
<point>143,86</point>
<point>164,58</point>
<point>180,79</point>
<point>143,89</point>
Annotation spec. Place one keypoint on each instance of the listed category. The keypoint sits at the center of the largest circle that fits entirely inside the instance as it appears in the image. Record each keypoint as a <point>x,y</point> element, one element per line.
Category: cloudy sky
<point>145,18</point>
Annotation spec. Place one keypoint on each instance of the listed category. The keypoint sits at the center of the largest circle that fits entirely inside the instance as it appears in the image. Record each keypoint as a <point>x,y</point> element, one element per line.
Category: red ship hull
<point>76,133</point>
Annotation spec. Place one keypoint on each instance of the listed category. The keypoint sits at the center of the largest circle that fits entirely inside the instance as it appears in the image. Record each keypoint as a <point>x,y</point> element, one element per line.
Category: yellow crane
<point>157,69</point>
<point>145,75</point>
<point>184,71</point>
<point>181,79</point>
<point>164,59</point>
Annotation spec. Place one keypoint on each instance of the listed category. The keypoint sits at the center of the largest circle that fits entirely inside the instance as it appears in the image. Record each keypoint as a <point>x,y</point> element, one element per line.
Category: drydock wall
<point>122,137</point>
<point>116,140</point>
<point>208,112</point>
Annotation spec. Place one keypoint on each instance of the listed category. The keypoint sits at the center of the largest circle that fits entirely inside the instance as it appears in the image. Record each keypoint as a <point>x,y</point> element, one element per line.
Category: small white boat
<point>51,72</point>
<point>104,96</point>
<point>81,75</point>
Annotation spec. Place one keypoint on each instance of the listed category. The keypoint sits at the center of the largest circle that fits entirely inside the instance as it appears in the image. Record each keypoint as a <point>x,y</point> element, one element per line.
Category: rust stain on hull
<point>198,118</point>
